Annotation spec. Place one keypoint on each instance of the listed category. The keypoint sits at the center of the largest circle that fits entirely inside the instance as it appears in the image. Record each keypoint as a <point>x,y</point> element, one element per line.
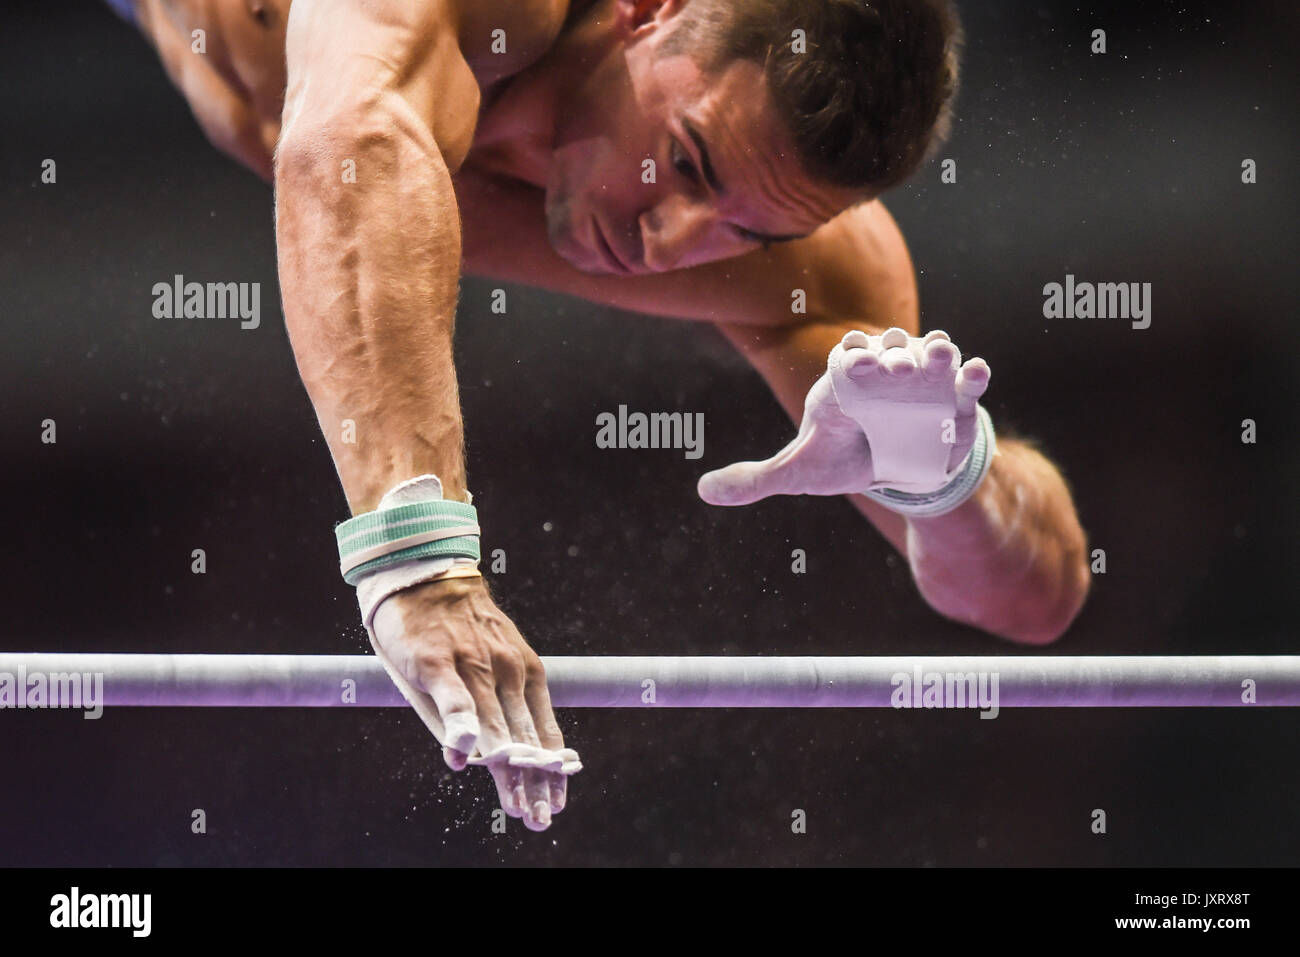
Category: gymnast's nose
<point>674,233</point>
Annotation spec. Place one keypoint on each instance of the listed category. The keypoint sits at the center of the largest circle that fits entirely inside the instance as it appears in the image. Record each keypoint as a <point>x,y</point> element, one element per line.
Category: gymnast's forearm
<point>1012,560</point>
<point>369,274</point>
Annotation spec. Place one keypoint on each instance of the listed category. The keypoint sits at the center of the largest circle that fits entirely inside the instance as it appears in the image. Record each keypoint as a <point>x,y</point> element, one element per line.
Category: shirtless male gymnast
<point>700,159</point>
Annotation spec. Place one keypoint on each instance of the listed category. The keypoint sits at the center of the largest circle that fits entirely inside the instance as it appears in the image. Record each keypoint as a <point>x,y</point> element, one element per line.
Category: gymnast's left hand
<point>831,454</point>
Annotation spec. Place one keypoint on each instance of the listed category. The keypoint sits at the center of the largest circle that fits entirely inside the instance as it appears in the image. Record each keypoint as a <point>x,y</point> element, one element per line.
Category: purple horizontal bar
<point>322,681</point>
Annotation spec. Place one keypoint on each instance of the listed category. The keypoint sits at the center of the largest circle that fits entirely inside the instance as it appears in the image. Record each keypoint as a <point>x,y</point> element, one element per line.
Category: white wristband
<point>375,586</point>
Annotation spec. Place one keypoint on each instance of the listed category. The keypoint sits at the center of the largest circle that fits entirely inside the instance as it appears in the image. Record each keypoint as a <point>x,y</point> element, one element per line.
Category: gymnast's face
<point>724,175</point>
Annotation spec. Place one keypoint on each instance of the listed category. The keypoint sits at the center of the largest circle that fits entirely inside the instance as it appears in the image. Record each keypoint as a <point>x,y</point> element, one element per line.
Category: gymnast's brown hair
<point>867,101</point>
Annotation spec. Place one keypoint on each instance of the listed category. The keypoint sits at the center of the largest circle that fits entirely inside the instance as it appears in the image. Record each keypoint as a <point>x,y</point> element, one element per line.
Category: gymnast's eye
<point>749,237</point>
<point>682,162</point>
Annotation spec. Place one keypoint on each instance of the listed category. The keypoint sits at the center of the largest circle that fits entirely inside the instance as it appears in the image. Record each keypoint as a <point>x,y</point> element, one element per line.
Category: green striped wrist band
<point>403,533</point>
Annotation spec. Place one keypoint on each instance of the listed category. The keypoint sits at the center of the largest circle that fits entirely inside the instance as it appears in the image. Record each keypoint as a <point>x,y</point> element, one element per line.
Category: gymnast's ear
<point>648,15</point>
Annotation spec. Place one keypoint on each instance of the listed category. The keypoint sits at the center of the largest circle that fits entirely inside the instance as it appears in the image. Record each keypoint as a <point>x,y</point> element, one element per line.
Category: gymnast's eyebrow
<point>711,177</point>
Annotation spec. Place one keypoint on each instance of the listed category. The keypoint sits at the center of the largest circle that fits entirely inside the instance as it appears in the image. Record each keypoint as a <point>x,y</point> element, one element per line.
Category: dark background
<point>175,435</point>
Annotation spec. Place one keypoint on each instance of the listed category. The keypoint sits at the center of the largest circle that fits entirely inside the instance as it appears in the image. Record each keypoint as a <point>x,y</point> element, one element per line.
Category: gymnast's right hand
<point>452,642</point>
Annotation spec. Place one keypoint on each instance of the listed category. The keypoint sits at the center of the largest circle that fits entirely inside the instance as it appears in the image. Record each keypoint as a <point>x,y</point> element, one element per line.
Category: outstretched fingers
<point>535,802</point>
<point>477,669</point>
<point>538,698</point>
<point>972,380</point>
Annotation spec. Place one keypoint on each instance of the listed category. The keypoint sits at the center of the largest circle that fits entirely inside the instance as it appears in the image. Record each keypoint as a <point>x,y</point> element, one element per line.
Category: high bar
<point>322,681</point>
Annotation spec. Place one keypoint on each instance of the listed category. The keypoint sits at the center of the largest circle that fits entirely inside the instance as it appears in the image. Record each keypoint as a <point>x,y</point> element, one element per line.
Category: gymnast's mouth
<point>606,249</point>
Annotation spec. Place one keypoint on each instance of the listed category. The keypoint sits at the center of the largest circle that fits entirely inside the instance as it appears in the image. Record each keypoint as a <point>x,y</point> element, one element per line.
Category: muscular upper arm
<point>348,58</point>
<point>863,267</point>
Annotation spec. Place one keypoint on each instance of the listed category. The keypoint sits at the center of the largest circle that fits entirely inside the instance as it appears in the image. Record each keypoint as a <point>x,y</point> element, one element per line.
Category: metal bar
<point>321,681</point>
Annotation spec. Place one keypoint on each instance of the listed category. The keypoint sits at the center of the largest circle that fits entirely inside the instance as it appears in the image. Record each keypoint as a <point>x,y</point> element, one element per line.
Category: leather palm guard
<point>906,432</point>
